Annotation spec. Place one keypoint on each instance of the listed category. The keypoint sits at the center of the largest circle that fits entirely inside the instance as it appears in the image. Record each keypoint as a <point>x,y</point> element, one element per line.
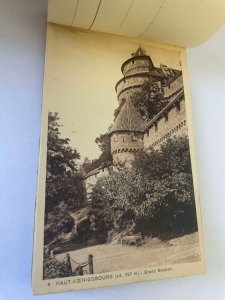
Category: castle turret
<point>126,135</point>
<point>136,70</point>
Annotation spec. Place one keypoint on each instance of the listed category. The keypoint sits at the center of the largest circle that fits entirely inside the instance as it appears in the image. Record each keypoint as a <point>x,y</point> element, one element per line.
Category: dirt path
<point>153,252</point>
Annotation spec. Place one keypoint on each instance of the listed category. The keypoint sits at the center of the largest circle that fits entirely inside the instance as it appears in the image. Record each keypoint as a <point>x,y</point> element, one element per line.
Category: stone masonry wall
<point>173,87</point>
<point>167,126</point>
<point>137,65</point>
<point>92,179</point>
<point>128,86</point>
<point>124,145</point>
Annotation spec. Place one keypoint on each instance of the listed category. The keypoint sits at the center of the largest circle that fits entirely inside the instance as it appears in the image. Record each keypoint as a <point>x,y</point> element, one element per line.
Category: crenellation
<point>173,86</point>
<point>167,129</point>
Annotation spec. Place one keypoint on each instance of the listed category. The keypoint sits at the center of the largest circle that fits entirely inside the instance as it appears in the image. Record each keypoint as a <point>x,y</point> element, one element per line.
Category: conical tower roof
<point>129,119</point>
<point>140,52</point>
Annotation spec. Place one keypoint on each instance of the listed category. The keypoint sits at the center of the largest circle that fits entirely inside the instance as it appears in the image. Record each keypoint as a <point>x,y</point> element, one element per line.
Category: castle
<point>131,133</point>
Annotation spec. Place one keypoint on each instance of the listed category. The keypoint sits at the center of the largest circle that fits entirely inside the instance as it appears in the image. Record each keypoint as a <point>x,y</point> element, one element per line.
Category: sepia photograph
<point>112,157</point>
<point>119,190</point>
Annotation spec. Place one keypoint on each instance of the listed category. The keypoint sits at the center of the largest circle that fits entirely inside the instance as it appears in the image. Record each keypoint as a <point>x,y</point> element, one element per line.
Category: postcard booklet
<point>117,194</point>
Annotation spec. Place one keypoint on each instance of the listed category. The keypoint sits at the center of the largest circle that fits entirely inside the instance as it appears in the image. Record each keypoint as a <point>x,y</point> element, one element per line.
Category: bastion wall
<point>168,125</point>
<point>124,146</point>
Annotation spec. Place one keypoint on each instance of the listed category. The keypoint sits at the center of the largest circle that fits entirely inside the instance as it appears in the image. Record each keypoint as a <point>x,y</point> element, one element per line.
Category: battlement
<point>169,123</point>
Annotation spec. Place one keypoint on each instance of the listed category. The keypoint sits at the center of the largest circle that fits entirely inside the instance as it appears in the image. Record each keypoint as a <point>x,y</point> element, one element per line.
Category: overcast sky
<point>80,76</point>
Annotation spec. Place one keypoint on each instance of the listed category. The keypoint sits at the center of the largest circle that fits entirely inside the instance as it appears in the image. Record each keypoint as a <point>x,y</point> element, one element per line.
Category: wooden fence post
<point>90,264</point>
<point>52,255</point>
<point>69,263</point>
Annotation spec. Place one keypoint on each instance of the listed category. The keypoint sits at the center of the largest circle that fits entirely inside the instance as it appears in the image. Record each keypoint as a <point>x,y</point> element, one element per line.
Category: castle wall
<point>128,86</point>
<point>129,91</point>
<point>126,140</point>
<point>136,65</point>
<point>124,146</point>
<point>173,86</point>
<point>171,125</point>
<point>92,178</point>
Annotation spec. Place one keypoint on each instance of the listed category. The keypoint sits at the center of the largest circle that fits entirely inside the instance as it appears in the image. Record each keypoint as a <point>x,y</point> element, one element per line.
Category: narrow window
<point>178,106</point>
<point>166,117</point>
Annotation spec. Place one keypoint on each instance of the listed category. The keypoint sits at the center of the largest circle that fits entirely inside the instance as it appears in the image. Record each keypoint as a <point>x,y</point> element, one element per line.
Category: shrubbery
<point>52,268</point>
<point>63,181</point>
<point>149,99</point>
<point>64,187</point>
<point>59,222</point>
<point>156,194</point>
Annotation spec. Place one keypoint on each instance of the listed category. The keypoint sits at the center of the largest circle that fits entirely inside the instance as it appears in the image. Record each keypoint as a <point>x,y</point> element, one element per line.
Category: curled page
<point>186,23</point>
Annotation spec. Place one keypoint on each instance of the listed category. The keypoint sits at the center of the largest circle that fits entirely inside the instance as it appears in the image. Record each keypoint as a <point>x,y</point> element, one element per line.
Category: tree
<point>156,194</point>
<point>105,158</point>
<point>173,157</point>
<point>149,100</point>
<point>103,141</point>
<point>63,182</point>
<point>58,222</point>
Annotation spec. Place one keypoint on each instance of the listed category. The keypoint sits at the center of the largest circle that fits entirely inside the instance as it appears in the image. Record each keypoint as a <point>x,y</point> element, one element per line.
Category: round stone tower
<point>136,70</point>
<point>126,135</point>
<point>128,130</point>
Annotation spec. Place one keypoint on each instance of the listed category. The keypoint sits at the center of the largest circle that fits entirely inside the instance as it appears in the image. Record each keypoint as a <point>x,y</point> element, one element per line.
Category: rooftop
<point>140,52</point>
<point>129,119</point>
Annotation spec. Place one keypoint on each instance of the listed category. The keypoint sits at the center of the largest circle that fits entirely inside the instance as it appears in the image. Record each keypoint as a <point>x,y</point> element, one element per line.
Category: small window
<point>178,106</point>
<point>166,117</point>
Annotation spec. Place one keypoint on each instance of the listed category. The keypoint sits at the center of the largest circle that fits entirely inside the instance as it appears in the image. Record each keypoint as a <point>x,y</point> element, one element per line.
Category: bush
<point>58,223</point>
<point>156,194</point>
<point>53,268</point>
